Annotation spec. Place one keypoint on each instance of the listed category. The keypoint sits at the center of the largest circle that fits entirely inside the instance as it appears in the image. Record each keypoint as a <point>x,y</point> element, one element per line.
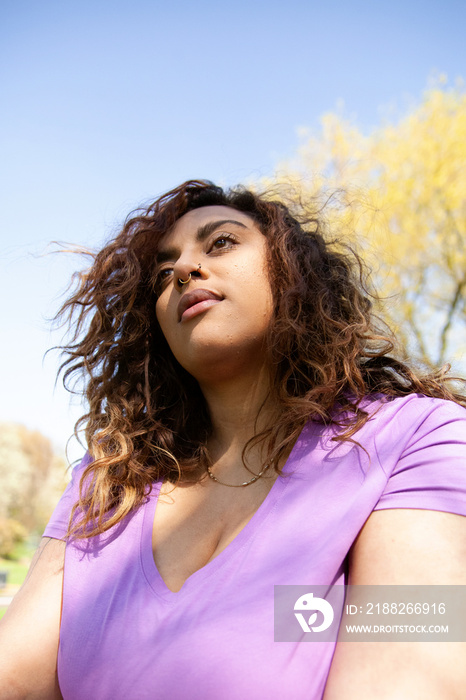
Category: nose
<point>184,273</point>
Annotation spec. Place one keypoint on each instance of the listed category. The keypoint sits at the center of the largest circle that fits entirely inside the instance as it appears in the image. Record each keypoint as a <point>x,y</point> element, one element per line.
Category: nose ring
<point>188,279</point>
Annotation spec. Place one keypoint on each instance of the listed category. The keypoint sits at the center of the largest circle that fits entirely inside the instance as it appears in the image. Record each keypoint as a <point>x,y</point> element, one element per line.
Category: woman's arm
<point>29,631</point>
<point>404,547</point>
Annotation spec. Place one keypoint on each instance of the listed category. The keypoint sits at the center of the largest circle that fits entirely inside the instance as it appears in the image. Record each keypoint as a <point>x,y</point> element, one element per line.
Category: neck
<point>239,409</point>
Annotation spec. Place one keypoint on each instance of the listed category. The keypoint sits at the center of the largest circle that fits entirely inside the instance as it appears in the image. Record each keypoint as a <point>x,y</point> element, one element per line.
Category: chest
<point>218,630</point>
<point>193,524</point>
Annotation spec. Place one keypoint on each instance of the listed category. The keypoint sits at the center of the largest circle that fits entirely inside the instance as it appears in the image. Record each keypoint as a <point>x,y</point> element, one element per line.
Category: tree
<point>32,477</point>
<point>402,191</point>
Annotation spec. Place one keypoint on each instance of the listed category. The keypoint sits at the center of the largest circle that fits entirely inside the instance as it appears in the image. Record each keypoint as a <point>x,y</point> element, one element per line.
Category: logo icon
<point>312,604</point>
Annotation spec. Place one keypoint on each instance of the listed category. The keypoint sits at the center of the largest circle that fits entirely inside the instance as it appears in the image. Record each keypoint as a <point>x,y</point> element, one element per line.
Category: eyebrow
<point>202,233</point>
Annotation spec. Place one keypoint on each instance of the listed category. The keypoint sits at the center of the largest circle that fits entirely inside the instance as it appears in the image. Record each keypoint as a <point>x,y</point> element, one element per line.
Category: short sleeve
<point>57,526</point>
<point>430,473</point>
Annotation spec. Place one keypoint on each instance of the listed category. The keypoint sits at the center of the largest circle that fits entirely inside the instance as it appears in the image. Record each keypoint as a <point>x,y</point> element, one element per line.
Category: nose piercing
<point>180,281</point>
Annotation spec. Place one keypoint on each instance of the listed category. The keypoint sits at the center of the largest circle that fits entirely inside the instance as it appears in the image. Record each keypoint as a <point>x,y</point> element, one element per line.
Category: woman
<point>246,428</point>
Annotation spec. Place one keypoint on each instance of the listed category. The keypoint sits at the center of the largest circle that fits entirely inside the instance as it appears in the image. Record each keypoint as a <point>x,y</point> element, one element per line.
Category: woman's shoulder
<point>391,417</point>
<point>412,411</point>
<point>57,526</point>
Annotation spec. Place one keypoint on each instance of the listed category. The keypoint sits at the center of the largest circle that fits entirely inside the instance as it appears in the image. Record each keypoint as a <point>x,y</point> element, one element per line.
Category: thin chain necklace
<point>238,486</point>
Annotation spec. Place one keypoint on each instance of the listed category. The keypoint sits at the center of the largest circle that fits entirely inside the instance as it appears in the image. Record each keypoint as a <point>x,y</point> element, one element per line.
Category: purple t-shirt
<point>124,634</point>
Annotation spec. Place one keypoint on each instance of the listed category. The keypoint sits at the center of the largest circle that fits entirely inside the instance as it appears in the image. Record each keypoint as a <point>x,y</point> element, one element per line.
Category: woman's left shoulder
<point>416,536</point>
<point>404,547</point>
<point>414,415</point>
<point>415,405</point>
<point>425,495</point>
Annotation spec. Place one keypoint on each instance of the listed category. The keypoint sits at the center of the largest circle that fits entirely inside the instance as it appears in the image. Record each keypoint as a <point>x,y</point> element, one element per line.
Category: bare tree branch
<point>451,312</point>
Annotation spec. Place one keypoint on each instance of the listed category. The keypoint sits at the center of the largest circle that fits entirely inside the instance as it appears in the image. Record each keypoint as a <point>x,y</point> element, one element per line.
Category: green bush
<point>12,533</point>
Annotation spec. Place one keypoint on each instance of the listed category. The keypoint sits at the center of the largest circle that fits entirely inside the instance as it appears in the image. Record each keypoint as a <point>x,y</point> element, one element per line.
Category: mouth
<point>196,302</point>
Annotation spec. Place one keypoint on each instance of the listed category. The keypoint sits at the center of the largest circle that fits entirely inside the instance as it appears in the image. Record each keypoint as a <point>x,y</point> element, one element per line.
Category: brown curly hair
<point>147,418</point>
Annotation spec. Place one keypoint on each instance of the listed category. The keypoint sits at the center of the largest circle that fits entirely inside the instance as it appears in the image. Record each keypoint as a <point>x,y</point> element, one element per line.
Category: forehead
<point>191,222</point>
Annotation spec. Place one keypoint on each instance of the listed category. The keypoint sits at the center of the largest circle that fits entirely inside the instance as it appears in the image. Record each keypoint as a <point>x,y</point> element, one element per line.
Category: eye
<point>162,277</point>
<point>222,241</point>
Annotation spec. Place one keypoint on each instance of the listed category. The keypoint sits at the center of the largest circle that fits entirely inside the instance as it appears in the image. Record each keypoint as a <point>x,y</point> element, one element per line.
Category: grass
<point>17,567</point>
<point>17,564</point>
<point>17,570</point>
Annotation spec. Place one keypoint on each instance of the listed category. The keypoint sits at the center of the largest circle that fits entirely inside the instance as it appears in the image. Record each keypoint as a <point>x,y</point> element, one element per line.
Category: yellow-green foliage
<point>32,478</point>
<point>11,534</point>
<point>402,191</point>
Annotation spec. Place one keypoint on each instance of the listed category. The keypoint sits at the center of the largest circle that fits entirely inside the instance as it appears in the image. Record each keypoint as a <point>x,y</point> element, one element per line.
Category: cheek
<point>158,309</point>
<point>161,313</point>
<point>254,303</point>
<point>257,291</point>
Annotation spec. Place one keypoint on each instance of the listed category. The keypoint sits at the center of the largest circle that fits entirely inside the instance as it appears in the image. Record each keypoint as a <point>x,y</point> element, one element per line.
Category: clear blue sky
<point>106,104</point>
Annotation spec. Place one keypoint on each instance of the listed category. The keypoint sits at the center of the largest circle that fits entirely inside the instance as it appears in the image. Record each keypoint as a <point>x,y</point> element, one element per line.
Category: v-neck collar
<point>254,525</point>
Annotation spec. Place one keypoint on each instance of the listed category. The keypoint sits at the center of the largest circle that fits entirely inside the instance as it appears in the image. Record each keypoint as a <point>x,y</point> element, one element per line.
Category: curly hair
<point>147,419</point>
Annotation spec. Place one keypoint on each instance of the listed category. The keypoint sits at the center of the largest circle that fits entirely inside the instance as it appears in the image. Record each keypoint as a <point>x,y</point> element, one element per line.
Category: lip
<point>195,302</point>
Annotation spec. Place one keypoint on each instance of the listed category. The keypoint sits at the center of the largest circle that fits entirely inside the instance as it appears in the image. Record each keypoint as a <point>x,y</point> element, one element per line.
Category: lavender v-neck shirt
<point>124,634</point>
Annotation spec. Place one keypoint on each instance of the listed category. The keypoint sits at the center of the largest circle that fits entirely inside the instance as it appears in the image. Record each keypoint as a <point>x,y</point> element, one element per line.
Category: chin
<point>223,360</point>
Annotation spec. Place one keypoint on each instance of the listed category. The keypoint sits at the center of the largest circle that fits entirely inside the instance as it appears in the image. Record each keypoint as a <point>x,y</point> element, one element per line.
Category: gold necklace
<point>238,486</point>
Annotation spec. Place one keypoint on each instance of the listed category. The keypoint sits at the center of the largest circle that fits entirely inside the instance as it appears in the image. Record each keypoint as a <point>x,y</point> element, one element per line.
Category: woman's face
<point>214,321</point>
